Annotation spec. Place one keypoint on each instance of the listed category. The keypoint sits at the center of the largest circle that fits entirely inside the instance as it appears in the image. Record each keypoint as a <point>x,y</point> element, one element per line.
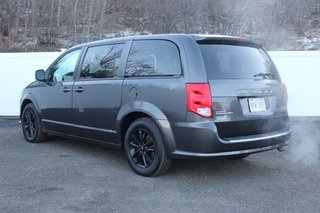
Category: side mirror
<point>40,75</point>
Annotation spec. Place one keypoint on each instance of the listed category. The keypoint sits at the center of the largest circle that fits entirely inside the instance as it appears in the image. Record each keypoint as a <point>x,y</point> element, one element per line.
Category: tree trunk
<point>17,17</point>
<point>75,20</point>
<point>58,14</point>
<point>102,16</point>
<point>89,19</point>
<point>26,22</point>
<point>33,6</point>
<point>51,15</point>
<point>84,24</point>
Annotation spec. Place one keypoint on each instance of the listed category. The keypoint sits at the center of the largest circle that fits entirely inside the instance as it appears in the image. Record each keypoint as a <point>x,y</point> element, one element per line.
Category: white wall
<point>17,71</point>
<point>300,71</point>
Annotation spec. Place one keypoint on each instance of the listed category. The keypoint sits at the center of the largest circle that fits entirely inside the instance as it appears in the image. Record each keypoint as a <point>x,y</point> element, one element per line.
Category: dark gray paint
<point>97,113</point>
<point>97,107</point>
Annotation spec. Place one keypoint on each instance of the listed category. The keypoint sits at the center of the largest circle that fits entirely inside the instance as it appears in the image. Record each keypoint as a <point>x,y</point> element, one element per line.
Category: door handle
<point>79,90</point>
<point>66,89</point>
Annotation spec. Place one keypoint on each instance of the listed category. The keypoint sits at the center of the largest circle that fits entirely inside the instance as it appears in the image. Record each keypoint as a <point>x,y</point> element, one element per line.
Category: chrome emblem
<point>255,91</point>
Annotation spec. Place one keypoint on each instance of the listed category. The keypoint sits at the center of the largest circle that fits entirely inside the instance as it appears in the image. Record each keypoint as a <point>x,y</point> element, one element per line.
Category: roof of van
<point>199,38</point>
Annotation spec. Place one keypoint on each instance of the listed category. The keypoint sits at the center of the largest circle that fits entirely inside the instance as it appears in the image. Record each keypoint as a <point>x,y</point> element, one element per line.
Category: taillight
<point>199,99</point>
<point>285,91</point>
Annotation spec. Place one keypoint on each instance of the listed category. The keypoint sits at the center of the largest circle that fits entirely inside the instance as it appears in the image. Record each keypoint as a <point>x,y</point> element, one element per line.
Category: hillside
<point>47,25</point>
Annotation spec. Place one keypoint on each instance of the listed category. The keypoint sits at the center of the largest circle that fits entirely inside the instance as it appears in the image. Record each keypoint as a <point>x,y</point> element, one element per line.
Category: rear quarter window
<point>153,58</point>
<point>234,62</point>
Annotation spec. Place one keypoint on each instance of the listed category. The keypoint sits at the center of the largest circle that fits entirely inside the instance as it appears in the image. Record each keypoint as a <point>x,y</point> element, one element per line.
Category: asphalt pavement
<point>63,175</point>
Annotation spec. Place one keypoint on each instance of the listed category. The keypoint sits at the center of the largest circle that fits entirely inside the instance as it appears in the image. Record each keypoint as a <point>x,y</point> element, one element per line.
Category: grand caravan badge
<point>245,92</point>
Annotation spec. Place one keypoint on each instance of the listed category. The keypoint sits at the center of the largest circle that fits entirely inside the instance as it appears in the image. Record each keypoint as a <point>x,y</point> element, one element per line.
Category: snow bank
<point>300,71</point>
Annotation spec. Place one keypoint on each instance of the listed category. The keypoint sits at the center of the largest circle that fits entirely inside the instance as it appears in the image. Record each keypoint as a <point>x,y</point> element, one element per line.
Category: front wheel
<point>144,148</point>
<point>31,125</point>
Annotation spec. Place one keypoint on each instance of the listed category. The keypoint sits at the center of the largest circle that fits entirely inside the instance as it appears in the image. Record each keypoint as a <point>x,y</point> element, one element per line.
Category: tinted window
<point>230,61</point>
<point>63,69</point>
<point>153,57</point>
<point>102,61</point>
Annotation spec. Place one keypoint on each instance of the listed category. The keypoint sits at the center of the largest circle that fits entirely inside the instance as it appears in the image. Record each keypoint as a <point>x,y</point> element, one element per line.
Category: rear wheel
<point>31,125</point>
<point>144,148</point>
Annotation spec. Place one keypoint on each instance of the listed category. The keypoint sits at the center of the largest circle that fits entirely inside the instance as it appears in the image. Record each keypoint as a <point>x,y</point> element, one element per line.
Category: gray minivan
<point>160,97</point>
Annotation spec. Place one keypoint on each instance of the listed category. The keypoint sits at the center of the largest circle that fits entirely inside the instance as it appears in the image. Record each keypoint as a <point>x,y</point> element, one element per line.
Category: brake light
<point>285,91</point>
<point>199,99</point>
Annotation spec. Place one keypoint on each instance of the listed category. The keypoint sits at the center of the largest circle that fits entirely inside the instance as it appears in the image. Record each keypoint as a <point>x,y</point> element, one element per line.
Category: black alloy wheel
<point>31,125</point>
<point>141,147</point>
<point>144,148</point>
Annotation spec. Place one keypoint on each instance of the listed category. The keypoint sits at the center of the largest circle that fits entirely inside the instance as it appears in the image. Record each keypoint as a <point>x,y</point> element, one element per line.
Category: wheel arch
<point>23,105</point>
<point>27,100</point>
<point>139,109</point>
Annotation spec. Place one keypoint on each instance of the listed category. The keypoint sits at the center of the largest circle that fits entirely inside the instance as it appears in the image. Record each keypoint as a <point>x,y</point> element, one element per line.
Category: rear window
<point>236,62</point>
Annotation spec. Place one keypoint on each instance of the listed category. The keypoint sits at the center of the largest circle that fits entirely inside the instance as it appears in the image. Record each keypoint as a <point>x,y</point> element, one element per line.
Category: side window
<point>153,57</point>
<point>63,69</point>
<point>102,61</point>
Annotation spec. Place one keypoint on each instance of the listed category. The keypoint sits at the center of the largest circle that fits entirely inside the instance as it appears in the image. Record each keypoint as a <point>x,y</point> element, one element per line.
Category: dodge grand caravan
<point>160,97</point>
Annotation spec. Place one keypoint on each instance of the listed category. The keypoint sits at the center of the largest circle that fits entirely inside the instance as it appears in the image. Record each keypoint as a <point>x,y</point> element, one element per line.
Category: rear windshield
<point>234,62</point>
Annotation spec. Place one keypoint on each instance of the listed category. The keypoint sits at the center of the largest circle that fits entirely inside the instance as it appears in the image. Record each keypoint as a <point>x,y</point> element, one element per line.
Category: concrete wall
<point>300,71</point>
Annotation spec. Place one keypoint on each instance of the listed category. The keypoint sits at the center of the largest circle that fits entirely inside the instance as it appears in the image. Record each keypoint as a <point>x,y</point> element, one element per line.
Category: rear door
<point>97,91</point>
<point>247,93</point>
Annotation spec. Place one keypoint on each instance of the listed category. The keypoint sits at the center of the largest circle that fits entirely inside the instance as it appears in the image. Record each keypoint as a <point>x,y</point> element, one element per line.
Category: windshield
<point>234,62</point>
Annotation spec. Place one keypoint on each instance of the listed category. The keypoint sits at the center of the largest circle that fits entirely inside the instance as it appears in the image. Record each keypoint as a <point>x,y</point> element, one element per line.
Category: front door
<point>56,98</point>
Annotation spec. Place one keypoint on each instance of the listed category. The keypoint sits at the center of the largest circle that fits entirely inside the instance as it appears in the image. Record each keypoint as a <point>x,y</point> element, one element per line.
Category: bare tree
<point>58,13</point>
<point>61,23</point>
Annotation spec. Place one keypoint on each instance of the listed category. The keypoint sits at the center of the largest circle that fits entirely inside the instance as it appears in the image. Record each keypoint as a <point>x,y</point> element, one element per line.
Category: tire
<point>31,125</point>
<point>144,148</point>
<point>239,157</point>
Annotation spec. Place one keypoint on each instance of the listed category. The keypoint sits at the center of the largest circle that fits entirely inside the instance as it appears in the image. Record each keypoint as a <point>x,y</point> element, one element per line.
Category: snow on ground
<point>299,71</point>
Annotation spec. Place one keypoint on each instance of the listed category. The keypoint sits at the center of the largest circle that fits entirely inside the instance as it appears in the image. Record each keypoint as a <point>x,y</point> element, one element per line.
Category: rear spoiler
<point>230,40</point>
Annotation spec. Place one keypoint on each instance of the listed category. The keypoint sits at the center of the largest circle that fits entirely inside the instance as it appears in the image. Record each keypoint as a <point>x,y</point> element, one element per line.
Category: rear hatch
<point>247,93</point>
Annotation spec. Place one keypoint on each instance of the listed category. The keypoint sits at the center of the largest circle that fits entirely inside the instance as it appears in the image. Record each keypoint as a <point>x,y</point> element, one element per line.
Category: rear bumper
<point>178,153</point>
<point>200,139</point>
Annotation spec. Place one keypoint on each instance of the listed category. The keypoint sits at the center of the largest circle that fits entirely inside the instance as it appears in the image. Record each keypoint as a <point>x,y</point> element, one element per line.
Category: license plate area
<point>257,105</point>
